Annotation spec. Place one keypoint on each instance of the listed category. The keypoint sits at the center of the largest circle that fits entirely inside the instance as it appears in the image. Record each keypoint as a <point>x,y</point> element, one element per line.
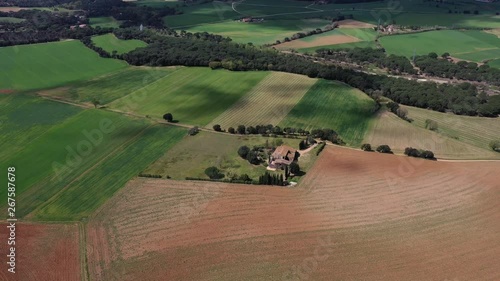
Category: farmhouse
<point>283,155</point>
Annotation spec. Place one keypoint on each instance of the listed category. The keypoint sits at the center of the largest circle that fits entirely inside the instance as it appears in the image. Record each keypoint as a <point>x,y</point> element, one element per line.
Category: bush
<point>366,147</point>
<point>217,128</point>
<point>412,152</point>
<point>294,168</point>
<point>213,173</point>
<point>243,151</point>
<point>193,131</point>
<point>495,145</point>
<point>231,130</point>
<point>427,154</point>
<point>169,117</point>
<point>431,125</point>
<point>321,146</point>
<point>384,149</point>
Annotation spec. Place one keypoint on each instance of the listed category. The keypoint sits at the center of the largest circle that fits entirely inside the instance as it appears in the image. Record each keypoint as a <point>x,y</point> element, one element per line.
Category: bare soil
<point>354,24</point>
<point>44,252</point>
<point>355,216</point>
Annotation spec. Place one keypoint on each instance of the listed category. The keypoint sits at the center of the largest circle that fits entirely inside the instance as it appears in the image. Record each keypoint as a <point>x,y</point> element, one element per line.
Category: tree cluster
<point>399,111</point>
<point>413,152</point>
<point>384,148</point>
<point>268,179</point>
<point>214,173</point>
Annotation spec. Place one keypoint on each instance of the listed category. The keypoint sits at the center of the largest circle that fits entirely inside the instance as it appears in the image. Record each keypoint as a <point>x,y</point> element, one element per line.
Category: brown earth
<point>6,91</point>
<point>320,41</point>
<point>44,252</point>
<point>355,216</point>
<point>354,24</point>
<point>11,9</point>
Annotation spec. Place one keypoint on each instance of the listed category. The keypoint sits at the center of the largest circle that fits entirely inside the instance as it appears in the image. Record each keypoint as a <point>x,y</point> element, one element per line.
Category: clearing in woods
<point>334,105</point>
<point>266,103</point>
<point>110,43</point>
<point>194,95</point>
<point>48,65</point>
<point>44,252</point>
<point>399,134</point>
<point>352,208</point>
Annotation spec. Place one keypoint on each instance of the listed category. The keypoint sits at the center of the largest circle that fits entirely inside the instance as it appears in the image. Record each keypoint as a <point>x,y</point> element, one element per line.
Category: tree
<point>433,55</point>
<point>427,154</point>
<point>412,152</point>
<point>168,116</point>
<point>241,129</point>
<point>303,144</point>
<point>231,130</point>
<point>366,147</point>
<point>495,145</point>
<point>243,151</point>
<point>294,168</point>
<point>384,149</point>
<point>217,128</point>
<point>193,131</point>
<point>445,55</point>
<point>95,102</point>
<point>431,125</point>
<point>253,157</point>
<point>213,173</point>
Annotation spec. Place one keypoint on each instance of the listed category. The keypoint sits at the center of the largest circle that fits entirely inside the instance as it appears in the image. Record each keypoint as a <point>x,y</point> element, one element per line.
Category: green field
<point>110,43</point>
<point>47,65</point>
<point>494,63</point>
<point>260,33</point>
<point>83,196</point>
<point>365,35</point>
<point>110,87</point>
<point>336,106</point>
<point>193,95</point>
<point>202,14</point>
<point>474,45</point>
<point>58,148</point>
<point>104,22</point>
<point>11,19</point>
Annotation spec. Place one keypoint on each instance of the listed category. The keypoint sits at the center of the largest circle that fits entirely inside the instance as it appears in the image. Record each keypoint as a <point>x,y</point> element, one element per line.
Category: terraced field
<point>399,134</point>
<point>193,95</point>
<point>47,65</point>
<point>402,218</point>
<point>268,102</point>
<point>110,43</point>
<point>334,105</point>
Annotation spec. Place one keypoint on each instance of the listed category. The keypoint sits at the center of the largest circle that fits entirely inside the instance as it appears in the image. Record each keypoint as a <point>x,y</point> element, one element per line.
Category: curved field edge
<point>399,134</point>
<point>334,105</point>
<point>363,207</point>
<point>110,43</point>
<point>48,65</point>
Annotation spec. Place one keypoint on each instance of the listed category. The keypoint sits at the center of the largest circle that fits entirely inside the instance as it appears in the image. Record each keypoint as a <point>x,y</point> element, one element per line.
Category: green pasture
<point>193,95</point>
<point>104,22</point>
<point>48,65</point>
<point>462,44</point>
<point>11,19</point>
<point>333,105</point>
<point>110,43</point>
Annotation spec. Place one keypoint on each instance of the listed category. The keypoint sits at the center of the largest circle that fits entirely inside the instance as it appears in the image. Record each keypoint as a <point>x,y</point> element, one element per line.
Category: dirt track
<point>355,216</point>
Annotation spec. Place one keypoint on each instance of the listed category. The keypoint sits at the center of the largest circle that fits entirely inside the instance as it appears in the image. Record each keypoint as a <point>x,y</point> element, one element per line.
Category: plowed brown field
<point>355,216</point>
<point>44,252</point>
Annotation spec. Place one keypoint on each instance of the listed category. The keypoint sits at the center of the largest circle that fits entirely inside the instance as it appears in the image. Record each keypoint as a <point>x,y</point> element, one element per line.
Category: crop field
<point>352,208</point>
<point>268,31</point>
<point>333,105</point>
<point>399,134</point>
<point>193,95</point>
<point>474,45</point>
<point>110,43</point>
<point>86,193</point>
<point>268,102</point>
<point>109,87</point>
<point>41,247</point>
<point>104,22</point>
<point>47,65</point>
<point>202,14</point>
<point>477,131</point>
<point>494,63</point>
<point>11,19</point>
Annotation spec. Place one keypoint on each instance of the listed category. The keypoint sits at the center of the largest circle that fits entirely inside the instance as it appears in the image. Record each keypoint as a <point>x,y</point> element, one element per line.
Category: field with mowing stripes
<point>266,103</point>
<point>41,247</point>
<point>334,105</point>
<point>477,131</point>
<point>353,208</point>
<point>193,95</point>
<point>399,134</point>
<point>48,65</point>
<point>110,43</point>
